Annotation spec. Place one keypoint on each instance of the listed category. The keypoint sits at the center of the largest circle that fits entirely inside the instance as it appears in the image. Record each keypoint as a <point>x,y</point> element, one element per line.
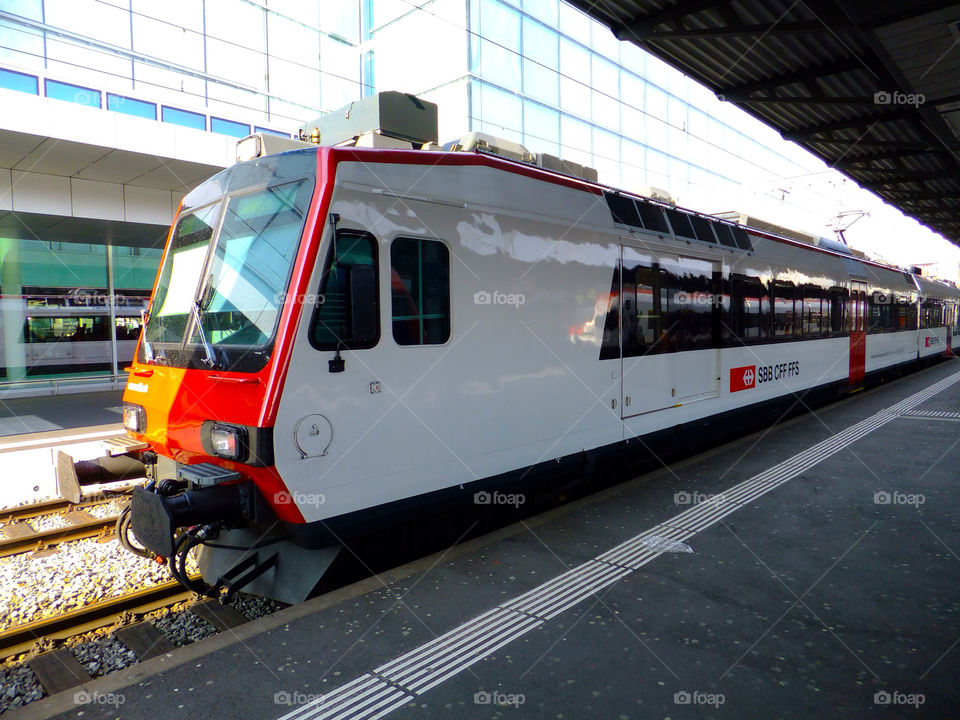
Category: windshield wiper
<point>147,347</point>
<point>211,359</point>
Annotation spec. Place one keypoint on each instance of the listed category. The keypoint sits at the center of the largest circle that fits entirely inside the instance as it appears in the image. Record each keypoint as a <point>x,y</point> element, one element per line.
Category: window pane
<point>73,93</point>
<point>254,255</point>
<point>229,127</point>
<point>18,81</point>
<point>183,117</point>
<point>541,129</point>
<point>500,113</point>
<point>540,53</point>
<point>784,325</point>
<point>545,10</point>
<point>130,106</point>
<point>420,291</point>
<point>332,323</point>
<point>500,44</point>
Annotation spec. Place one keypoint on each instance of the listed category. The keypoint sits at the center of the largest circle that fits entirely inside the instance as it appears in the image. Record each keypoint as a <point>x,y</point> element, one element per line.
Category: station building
<point>110,110</point>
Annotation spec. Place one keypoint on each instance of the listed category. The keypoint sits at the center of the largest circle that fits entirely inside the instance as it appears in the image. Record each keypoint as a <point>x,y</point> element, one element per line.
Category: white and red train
<point>340,337</point>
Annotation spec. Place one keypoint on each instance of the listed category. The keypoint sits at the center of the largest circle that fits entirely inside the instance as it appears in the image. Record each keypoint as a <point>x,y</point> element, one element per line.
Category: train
<point>67,330</point>
<point>348,335</point>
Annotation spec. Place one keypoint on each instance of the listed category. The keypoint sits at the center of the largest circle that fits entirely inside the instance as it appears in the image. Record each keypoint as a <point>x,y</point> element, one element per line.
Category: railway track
<point>23,637</point>
<point>21,537</point>
<point>18,536</point>
<point>58,670</point>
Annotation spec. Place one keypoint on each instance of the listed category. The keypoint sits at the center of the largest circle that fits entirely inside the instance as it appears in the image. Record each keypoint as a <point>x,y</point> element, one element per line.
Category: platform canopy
<point>872,87</point>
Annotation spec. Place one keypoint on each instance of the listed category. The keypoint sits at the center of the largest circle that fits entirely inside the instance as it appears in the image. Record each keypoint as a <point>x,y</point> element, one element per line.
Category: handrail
<point>55,384</point>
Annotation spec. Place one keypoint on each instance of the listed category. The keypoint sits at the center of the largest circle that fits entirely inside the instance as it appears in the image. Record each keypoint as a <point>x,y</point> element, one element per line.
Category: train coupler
<point>202,495</point>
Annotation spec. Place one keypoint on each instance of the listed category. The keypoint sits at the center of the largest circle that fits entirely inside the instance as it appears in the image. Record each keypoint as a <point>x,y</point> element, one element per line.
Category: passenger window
<point>667,307</point>
<point>749,310</point>
<point>811,310</point>
<point>348,305</point>
<point>784,322</point>
<point>420,291</point>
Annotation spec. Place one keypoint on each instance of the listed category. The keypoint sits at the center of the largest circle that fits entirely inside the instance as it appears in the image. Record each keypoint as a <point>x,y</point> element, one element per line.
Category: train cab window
<point>420,291</point>
<point>785,325</point>
<point>347,314</point>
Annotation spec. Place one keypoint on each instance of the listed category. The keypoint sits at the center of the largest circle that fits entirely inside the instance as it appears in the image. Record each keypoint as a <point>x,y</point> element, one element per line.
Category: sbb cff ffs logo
<point>749,376</point>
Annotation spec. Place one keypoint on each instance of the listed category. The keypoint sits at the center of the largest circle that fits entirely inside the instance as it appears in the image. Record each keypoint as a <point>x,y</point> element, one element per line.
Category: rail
<point>32,540</point>
<point>22,637</point>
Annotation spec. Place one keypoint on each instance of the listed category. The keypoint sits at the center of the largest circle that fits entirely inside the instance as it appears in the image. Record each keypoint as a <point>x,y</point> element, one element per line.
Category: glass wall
<point>278,63</point>
<point>546,75</point>
<point>55,312</point>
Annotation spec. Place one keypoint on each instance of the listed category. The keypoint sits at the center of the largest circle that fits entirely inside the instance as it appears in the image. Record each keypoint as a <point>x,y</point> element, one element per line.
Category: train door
<point>669,329</point>
<point>858,332</point>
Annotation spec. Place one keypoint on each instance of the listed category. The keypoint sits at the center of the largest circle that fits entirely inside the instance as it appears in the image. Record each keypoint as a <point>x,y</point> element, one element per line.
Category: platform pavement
<point>823,598</point>
<point>20,416</point>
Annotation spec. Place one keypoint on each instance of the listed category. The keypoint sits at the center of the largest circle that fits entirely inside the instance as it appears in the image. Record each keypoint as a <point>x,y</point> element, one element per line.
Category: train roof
<point>297,162</point>
<point>479,158</point>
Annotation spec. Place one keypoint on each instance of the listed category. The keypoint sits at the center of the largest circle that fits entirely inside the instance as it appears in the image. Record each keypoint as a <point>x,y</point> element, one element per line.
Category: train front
<point>202,389</point>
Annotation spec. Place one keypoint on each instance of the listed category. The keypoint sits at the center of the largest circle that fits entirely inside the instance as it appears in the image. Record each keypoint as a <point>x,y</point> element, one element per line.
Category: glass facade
<point>538,72</point>
<point>57,306</point>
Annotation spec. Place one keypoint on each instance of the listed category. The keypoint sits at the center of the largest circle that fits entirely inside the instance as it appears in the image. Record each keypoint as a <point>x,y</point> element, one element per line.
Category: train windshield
<point>223,281</point>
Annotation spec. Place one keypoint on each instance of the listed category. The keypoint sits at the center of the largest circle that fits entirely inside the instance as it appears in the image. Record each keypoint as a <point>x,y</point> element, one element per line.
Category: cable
<point>123,530</point>
<point>182,545</point>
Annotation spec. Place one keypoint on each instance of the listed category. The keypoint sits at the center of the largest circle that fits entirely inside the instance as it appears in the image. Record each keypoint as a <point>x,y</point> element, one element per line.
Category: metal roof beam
<point>741,31</point>
<point>802,76</point>
<point>809,100</point>
<point>643,24</point>
<point>805,132</point>
<point>891,155</point>
<point>912,147</point>
<point>903,181</point>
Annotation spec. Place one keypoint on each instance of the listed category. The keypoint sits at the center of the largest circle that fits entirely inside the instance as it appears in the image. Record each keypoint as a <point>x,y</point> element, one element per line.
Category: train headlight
<point>134,418</point>
<point>228,441</point>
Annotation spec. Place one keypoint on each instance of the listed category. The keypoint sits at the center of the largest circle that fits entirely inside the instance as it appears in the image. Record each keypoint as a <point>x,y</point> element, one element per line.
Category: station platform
<point>33,431</point>
<point>19,416</point>
<point>810,570</point>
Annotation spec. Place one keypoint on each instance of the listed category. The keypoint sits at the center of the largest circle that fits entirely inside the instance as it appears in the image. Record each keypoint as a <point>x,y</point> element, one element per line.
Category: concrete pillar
<point>12,310</point>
